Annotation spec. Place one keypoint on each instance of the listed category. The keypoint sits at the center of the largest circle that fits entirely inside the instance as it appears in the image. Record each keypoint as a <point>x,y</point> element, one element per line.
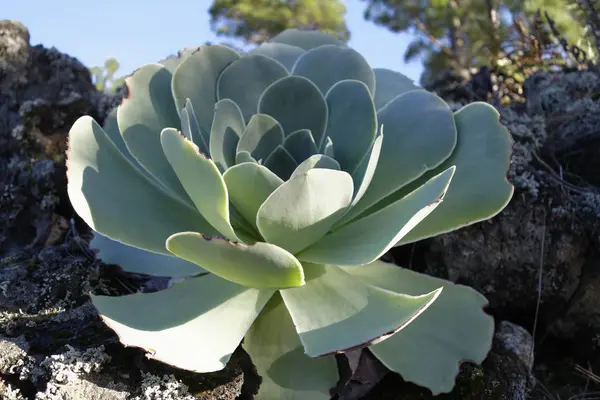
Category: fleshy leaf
<point>301,145</point>
<point>370,237</point>
<point>284,53</point>
<point>244,80</point>
<point>172,62</point>
<point>281,163</point>
<point>336,312</point>
<point>196,79</point>
<point>305,39</point>
<point>117,200</point>
<point>276,351</point>
<point>328,147</point>
<point>420,134</point>
<point>243,157</point>
<point>366,169</point>
<point>316,161</point>
<point>389,85</point>
<point>249,185</point>
<point>225,133</point>
<point>297,104</point>
<point>201,179</point>
<point>261,265</point>
<point>327,65</point>
<point>111,128</point>
<point>480,189</point>
<point>261,136</point>
<point>454,329</point>
<point>209,314</point>
<point>352,122</point>
<point>303,209</point>
<point>147,110</point>
<point>200,138</point>
<point>132,259</point>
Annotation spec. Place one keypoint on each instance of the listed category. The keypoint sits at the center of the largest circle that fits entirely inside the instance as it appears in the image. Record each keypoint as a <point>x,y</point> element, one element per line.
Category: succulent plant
<point>269,184</point>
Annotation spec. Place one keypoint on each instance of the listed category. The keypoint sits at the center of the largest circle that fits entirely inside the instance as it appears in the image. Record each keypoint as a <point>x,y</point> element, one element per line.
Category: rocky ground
<point>537,261</point>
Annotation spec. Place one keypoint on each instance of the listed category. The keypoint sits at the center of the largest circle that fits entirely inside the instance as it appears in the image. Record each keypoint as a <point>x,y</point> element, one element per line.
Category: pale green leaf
<point>197,135</point>
<point>261,265</point>
<point>201,179</point>
<point>316,161</point>
<point>243,157</point>
<point>389,85</point>
<point>281,163</point>
<point>302,210</point>
<point>249,185</point>
<point>336,312</point>
<point>420,134</point>
<point>305,39</point>
<point>244,80</point>
<point>117,200</point>
<point>301,145</point>
<point>261,136</point>
<point>370,237</point>
<point>196,79</point>
<point>297,104</point>
<point>284,53</point>
<point>276,351</point>
<point>207,314</point>
<point>327,65</point>
<point>143,114</point>
<point>227,127</point>
<point>352,122</point>
<point>453,330</point>
<point>132,259</point>
<point>480,189</point>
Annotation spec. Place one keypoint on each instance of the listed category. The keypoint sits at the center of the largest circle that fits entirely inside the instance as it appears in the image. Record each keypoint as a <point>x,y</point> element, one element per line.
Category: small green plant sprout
<point>271,182</point>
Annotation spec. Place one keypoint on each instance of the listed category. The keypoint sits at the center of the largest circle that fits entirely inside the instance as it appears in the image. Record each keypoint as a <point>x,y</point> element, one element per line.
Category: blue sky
<point>138,32</point>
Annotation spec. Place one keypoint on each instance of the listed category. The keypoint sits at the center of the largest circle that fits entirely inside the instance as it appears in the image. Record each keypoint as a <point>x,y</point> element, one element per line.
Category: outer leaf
<point>281,163</point>
<point>327,65</point>
<point>370,237</point>
<point>276,351</point>
<point>316,161</point>
<point>249,185</point>
<point>303,209</point>
<point>111,128</point>
<point>210,315</point>
<point>297,104</point>
<point>246,79</point>
<point>261,136</point>
<point>146,111</point>
<point>201,179</point>
<point>335,312</point>
<point>389,85</point>
<point>117,200</point>
<point>284,53</point>
<point>261,265</point>
<point>454,329</point>
<point>352,122</point>
<point>301,145</point>
<point>305,39</point>
<point>196,79</point>
<point>225,133</point>
<point>139,261</point>
<point>480,189</point>
<point>420,134</point>
<point>172,62</point>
